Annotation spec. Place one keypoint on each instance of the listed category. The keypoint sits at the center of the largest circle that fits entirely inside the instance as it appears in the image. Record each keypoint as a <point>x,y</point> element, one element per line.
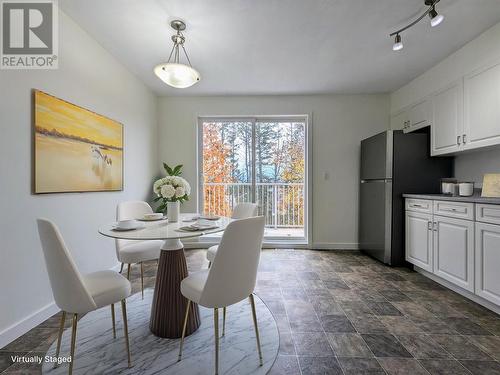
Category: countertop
<point>476,198</point>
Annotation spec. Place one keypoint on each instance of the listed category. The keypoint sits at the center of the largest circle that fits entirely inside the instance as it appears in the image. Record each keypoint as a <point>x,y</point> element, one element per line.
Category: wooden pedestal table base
<point>169,305</point>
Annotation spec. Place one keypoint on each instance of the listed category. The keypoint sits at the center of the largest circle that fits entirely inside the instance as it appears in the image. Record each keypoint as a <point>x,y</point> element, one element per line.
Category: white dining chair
<point>131,251</point>
<point>78,294</point>
<point>231,278</point>
<point>240,211</point>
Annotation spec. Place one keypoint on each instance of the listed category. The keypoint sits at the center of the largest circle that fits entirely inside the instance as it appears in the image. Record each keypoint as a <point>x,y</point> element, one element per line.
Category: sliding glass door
<point>260,160</point>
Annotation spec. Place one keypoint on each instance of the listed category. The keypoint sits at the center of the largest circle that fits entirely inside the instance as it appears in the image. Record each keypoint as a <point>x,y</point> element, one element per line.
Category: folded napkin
<point>199,225</point>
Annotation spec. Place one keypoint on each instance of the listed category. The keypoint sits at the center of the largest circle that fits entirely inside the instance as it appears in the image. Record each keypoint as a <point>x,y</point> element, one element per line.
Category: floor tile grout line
<point>290,326</point>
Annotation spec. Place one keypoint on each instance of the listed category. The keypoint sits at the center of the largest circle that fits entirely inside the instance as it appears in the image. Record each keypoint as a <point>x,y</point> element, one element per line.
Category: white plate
<point>209,217</point>
<point>119,229</point>
<point>161,218</point>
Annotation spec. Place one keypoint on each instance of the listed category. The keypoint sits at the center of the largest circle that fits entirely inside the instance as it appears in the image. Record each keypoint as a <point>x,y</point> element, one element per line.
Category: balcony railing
<point>281,203</point>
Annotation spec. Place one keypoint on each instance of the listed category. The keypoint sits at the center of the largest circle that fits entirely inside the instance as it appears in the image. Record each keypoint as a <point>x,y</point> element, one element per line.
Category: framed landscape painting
<point>76,150</point>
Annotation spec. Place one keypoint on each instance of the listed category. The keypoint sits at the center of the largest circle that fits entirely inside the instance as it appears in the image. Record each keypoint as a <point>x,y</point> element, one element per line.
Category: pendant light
<point>173,72</point>
<point>436,19</point>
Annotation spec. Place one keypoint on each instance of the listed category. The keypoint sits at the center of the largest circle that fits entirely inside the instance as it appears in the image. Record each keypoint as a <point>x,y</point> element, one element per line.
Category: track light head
<point>436,18</point>
<point>398,43</point>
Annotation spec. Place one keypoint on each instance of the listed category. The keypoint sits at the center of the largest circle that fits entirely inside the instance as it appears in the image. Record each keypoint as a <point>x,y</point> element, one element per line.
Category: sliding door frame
<point>307,119</point>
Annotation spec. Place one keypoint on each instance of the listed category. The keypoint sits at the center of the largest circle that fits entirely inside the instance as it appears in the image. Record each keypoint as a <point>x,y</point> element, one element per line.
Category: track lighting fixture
<point>398,44</point>
<point>436,19</point>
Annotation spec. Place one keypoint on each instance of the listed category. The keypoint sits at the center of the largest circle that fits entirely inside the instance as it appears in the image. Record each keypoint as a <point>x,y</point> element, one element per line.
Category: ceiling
<point>282,46</point>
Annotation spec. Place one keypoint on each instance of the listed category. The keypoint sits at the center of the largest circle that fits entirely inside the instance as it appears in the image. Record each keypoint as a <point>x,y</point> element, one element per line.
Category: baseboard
<point>457,289</point>
<point>31,321</point>
<point>283,245</point>
<point>335,246</point>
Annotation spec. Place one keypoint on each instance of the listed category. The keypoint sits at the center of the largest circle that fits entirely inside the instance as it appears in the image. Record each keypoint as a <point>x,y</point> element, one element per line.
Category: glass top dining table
<point>168,306</point>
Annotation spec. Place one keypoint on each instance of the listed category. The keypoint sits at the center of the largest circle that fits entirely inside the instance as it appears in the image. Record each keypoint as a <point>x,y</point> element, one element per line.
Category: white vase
<point>173,211</point>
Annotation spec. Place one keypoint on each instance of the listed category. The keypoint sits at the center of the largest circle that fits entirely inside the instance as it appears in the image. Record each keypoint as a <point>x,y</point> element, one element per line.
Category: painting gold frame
<point>75,150</point>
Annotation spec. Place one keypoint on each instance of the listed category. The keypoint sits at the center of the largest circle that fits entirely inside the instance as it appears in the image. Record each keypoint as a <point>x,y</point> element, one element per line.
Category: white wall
<point>339,123</point>
<point>88,76</point>
<point>475,54</point>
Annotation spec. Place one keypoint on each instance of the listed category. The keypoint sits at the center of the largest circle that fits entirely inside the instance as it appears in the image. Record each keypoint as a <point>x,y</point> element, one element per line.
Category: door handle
<point>429,225</point>
<point>458,140</point>
<point>464,138</point>
<point>435,227</point>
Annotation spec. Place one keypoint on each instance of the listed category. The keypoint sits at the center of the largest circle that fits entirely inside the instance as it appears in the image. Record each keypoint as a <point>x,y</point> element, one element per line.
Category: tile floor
<point>340,312</point>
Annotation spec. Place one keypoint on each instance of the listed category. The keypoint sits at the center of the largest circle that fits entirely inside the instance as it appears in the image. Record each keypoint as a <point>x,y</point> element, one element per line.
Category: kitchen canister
<point>465,189</point>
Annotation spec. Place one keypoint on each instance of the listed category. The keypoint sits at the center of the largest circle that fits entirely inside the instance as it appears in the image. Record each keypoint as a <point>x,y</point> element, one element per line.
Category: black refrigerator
<point>394,163</point>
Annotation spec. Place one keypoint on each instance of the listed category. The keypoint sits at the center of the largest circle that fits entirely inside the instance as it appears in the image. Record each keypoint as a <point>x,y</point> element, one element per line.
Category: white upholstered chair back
<point>234,270</point>
<point>129,211</point>
<point>68,288</point>
<point>244,210</point>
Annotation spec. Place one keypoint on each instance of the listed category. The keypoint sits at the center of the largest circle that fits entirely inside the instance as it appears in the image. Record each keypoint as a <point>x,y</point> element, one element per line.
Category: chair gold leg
<point>216,328</point>
<point>254,315</point>
<point>113,319</point>
<point>121,268</point>
<point>142,280</point>
<point>184,330</point>
<point>223,321</point>
<point>73,343</point>
<point>125,329</point>
<point>59,337</point>
<point>128,271</point>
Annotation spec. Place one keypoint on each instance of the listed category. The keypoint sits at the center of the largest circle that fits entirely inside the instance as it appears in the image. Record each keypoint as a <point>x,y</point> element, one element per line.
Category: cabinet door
<point>447,120</point>
<point>454,251</point>
<point>419,115</point>
<point>487,261</point>
<point>419,239</point>
<point>482,108</point>
<point>399,121</point>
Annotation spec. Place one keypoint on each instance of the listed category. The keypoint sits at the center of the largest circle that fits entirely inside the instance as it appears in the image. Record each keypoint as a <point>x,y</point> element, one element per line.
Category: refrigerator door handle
<point>385,180</point>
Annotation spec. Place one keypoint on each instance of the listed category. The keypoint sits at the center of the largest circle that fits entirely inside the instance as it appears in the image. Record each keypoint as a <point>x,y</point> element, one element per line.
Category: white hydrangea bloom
<point>167,191</point>
<point>180,192</point>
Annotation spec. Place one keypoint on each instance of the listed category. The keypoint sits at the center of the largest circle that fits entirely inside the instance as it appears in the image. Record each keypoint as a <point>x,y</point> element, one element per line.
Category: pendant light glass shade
<point>177,75</point>
<point>173,72</point>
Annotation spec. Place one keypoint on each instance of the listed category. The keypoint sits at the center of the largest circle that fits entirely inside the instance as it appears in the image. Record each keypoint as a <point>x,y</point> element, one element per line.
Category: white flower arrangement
<point>171,188</point>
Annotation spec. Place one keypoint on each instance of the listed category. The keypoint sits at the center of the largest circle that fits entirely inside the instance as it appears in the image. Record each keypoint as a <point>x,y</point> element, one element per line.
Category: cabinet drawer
<point>488,213</point>
<point>460,210</point>
<point>419,205</point>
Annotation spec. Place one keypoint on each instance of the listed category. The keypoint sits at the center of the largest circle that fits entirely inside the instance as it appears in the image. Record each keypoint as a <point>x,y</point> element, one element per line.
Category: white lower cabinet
<point>457,242</point>
<point>419,239</point>
<point>453,249</point>
<point>488,262</point>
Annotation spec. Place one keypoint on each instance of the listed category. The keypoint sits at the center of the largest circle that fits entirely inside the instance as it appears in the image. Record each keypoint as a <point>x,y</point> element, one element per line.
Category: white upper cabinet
<point>447,120</point>
<point>399,121</point>
<point>418,116</point>
<point>482,107</point>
